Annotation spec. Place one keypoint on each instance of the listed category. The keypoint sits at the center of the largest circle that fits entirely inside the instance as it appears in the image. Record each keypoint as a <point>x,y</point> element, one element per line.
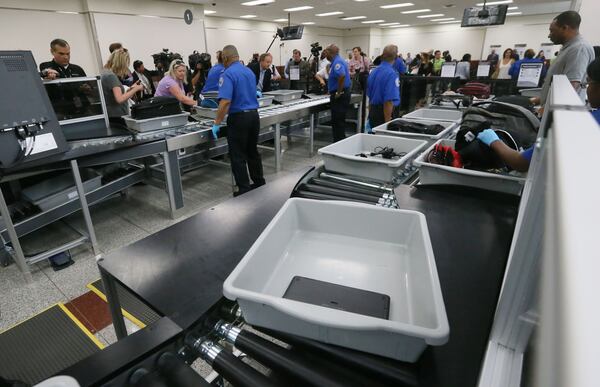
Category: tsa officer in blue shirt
<point>237,96</point>
<point>383,88</point>
<point>339,89</point>
<point>212,79</point>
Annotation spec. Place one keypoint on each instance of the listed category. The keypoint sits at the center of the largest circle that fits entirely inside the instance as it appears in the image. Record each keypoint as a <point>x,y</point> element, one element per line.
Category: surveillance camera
<point>213,4</point>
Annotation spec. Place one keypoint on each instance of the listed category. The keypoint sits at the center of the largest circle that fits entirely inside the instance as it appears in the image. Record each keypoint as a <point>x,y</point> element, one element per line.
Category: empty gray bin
<point>436,115</point>
<point>441,174</point>
<point>156,123</point>
<point>350,244</point>
<point>342,156</point>
<point>449,126</point>
<point>60,189</point>
<point>284,95</point>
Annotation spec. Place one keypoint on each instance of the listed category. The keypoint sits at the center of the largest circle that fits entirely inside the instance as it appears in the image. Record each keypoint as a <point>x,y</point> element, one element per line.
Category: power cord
<point>383,151</point>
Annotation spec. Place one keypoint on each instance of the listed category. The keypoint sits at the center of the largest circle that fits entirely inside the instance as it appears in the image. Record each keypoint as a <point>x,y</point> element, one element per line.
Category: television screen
<point>488,16</point>
<point>292,32</point>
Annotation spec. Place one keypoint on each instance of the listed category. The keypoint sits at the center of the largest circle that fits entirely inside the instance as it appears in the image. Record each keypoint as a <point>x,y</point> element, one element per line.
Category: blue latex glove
<point>215,130</point>
<point>258,94</point>
<point>488,137</point>
<point>368,128</point>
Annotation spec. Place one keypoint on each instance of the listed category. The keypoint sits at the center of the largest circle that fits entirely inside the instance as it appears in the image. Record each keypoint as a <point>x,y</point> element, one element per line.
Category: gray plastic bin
<point>156,123</point>
<point>284,95</point>
<point>350,244</point>
<point>449,126</point>
<point>342,156</point>
<point>440,174</point>
<point>60,189</point>
<point>436,115</point>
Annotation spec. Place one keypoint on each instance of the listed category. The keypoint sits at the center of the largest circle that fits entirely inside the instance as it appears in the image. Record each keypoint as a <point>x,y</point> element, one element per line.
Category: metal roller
<point>230,367</point>
<point>274,356</point>
<point>318,196</point>
<point>341,193</point>
<point>355,181</point>
<point>355,189</point>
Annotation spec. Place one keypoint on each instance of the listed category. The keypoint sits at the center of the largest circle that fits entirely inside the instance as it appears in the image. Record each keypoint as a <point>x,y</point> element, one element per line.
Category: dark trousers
<point>242,137</point>
<point>339,107</point>
<point>376,116</point>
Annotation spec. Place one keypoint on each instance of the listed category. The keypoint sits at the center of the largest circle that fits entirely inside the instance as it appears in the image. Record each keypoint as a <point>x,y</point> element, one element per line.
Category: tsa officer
<point>237,96</point>
<point>339,89</point>
<point>383,88</point>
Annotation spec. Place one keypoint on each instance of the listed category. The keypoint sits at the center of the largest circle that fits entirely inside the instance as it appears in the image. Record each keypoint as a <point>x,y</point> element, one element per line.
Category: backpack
<point>515,126</point>
<point>155,107</point>
<point>476,89</point>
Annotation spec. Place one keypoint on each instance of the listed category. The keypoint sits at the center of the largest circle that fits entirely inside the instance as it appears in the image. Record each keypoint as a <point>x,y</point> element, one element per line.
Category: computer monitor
<point>490,15</point>
<point>529,75</point>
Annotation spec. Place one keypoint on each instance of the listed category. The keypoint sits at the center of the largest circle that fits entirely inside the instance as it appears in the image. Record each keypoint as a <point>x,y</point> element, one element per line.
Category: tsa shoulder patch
<point>337,67</point>
<point>397,82</point>
<point>221,80</point>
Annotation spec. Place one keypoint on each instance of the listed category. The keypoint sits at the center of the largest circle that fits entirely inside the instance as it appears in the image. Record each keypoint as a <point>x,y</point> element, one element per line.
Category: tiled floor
<point>119,221</point>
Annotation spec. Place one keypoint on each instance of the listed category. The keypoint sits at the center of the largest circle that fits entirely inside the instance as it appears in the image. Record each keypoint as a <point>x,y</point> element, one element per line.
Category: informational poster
<point>520,49</point>
<point>448,70</point>
<point>295,73</point>
<point>548,49</point>
<point>483,69</point>
<point>530,74</point>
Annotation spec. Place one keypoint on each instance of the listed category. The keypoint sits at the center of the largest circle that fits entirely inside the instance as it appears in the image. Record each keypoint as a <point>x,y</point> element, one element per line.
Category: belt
<point>243,111</point>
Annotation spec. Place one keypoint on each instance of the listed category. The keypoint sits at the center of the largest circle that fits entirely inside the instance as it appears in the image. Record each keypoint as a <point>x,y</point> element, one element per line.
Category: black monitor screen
<point>490,16</point>
<point>75,99</point>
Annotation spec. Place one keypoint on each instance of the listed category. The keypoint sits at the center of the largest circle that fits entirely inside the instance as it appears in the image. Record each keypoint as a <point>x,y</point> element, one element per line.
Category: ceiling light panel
<point>354,18</point>
<point>399,5</point>
<point>443,19</point>
<point>247,16</point>
<point>302,8</point>
<point>258,2</point>
<point>416,11</point>
<point>389,24</point>
<point>432,15</point>
<point>330,13</point>
<point>372,21</point>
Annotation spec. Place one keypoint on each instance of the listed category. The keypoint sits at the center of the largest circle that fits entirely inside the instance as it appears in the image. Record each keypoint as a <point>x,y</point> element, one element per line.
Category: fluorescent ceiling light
<point>389,24</point>
<point>209,12</point>
<point>68,12</point>
<point>330,13</point>
<point>308,23</point>
<point>443,19</point>
<point>495,2</point>
<point>372,21</point>
<point>280,20</point>
<point>450,22</point>
<point>302,8</point>
<point>512,8</point>
<point>400,5</point>
<point>417,11</point>
<point>354,18</point>
<point>258,2</point>
<point>360,1</point>
<point>400,26</point>
<point>432,15</point>
<point>247,16</point>
<point>514,13</point>
<point>150,16</point>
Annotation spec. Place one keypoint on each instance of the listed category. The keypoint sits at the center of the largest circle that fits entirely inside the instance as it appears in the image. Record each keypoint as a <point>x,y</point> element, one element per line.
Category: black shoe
<point>256,185</point>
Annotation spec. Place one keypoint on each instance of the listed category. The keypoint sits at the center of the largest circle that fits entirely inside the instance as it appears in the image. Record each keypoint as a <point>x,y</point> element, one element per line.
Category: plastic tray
<point>341,156</point>
<point>350,244</point>
<point>285,95</point>
<point>265,101</point>
<point>60,189</point>
<point>156,123</point>
<point>440,174</point>
<point>382,129</point>
<point>436,115</point>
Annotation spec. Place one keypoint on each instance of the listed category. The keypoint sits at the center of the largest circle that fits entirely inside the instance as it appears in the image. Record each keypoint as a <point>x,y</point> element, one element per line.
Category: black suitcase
<point>155,107</point>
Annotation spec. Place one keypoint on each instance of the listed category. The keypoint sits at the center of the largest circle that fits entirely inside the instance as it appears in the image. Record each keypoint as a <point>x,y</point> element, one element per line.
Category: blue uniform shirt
<point>528,153</point>
<point>383,85</point>
<point>338,68</point>
<point>596,114</point>
<point>400,66</point>
<point>516,67</point>
<point>238,84</point>
<point>212,80</point>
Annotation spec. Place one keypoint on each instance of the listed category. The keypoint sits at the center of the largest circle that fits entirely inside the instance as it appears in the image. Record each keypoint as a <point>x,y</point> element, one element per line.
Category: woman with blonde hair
<point>172,83</point>
<point>115,96</point>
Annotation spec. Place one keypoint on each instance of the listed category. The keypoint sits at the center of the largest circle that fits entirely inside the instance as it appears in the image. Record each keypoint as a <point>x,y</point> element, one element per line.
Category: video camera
<point>163,59</point>
<point>203,59</point>
<point>316,49</point>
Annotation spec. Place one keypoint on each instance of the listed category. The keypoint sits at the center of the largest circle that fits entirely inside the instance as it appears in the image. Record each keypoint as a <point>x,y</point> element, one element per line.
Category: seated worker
<point>60,66</point>
<point>172,83</point>
<point>145,77</point>
<point>529,57</point>
<point>115,96</point>
<point>265,72</point>
<point>520,160</point>
<point>383,88</point>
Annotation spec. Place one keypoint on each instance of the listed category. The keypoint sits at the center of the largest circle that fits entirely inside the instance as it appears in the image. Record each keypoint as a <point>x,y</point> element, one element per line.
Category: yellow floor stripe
<point>81,326</point>
<point>127,315</point>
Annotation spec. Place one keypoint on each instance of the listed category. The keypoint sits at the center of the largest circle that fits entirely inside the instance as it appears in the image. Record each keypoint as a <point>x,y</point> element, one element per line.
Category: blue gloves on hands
<point>258,94</point>
<point>488,137</point>
<point>368,128</point>
<point>215,130</point>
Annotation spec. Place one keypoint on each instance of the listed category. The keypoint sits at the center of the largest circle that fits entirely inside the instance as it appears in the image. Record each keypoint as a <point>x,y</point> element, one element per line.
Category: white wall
<point>255,36</point>
<point>590,28</point>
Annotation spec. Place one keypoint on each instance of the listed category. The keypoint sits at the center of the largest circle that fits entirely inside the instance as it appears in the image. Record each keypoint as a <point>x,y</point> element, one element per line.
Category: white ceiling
<point>369,8</point>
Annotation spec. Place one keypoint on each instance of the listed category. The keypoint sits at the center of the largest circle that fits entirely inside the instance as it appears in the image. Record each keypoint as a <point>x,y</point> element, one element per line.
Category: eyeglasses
<point>179,62</point>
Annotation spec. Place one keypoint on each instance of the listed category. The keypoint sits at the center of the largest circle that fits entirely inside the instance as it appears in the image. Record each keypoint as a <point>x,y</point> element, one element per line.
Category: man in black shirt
<point>60,66</point>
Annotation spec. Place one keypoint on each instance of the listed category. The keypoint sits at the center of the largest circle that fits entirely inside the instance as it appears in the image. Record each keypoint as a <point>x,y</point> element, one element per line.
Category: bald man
<point>338,85</point>
<point>237,96</point>
<point>383,88</point>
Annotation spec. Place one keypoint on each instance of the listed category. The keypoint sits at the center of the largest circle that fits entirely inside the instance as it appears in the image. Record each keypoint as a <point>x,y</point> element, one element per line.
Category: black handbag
<point>155,107</point>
